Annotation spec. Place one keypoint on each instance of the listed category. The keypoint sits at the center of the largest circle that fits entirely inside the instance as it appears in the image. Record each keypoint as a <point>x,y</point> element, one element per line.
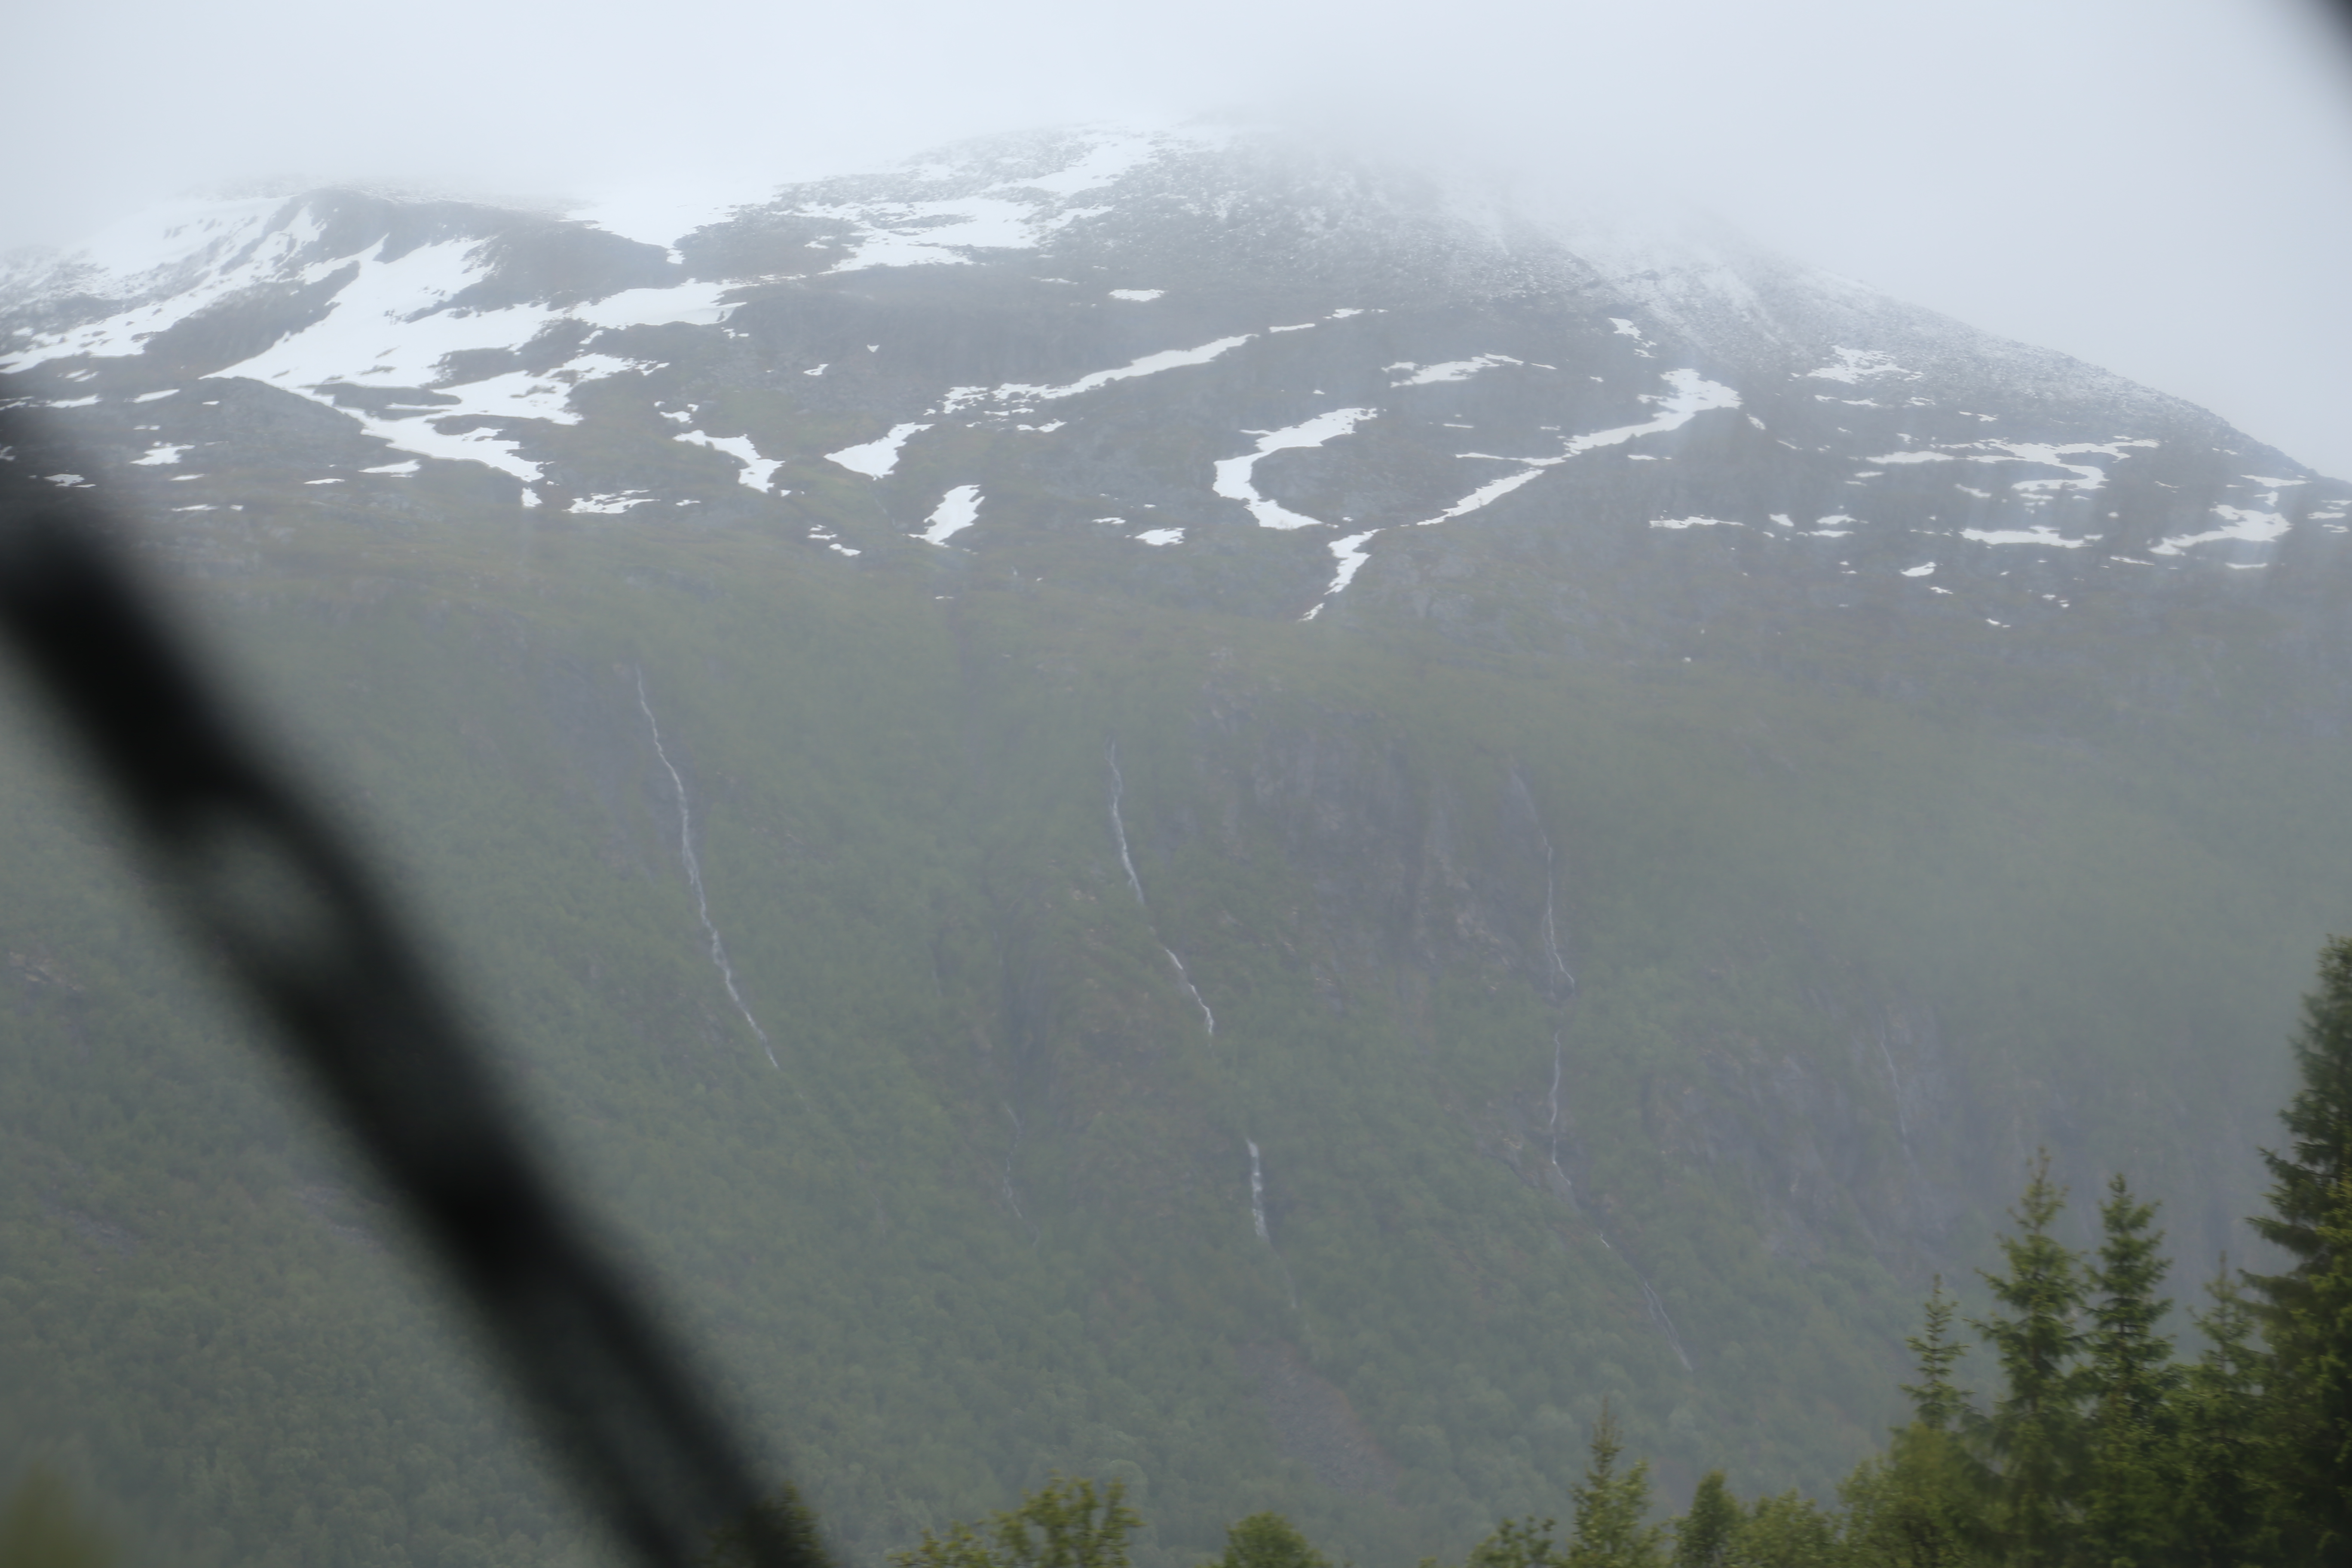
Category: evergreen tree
<point>1702,1537</point>
<point>1612,1508</point>
<point>1516,1544</point>
<point>1787,1531</point>
<point>2304,1307</point>
<point>1269,1541</point>
<point>1065,1523</point>
<point>1921,1505</point>
<point>2323,1362</point>
<point>2221,1444</point>
<point>2034,1430</point>
<point>1938,1403</point>
<point>2128,1384</point>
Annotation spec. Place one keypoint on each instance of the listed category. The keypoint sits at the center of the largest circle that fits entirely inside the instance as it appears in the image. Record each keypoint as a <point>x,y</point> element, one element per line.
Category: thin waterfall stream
<point>1118,832</point>
<point>694,876</point>
<point>1550,927</point>
<point>1560,973</point>
<point>1009,1197</point>
<point>1553,1125</point>
<point>1257,1192</point>
<point>1902,1118</point>
<point>1257,1218</point>
<point>1564,983</point>
<point>1658,1312</point>
<point>1208,1019</point>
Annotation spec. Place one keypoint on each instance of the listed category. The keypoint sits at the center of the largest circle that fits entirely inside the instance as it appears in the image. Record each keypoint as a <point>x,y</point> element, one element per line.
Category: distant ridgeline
<point>1171,808</point>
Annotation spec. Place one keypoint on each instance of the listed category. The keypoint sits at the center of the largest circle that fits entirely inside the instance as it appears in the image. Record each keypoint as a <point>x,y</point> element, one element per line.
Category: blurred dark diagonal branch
<point>289,912</point>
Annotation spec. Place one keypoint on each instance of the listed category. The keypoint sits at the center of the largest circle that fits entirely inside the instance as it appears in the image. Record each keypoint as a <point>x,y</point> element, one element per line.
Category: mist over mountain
<point>1040,299</point>
<point>1164,803</point>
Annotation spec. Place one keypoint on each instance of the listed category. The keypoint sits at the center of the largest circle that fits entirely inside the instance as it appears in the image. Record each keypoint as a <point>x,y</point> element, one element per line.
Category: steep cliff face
<point>1151,808</point>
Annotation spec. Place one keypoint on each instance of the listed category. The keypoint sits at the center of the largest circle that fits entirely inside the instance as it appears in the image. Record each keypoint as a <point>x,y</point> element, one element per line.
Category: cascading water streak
<point>1118,832</point>
<point>1650,1297</point>
<point>1658,1312</point>
<point>1257,1193</point>
<point>1257,1219</point>
<point>1902,1118</point>
<point>1010,1198</point>
<point>1553,1126</point>
<point>1118,826</point>
<point>1550,928</point>
<point>1559,971</point>
<point>1184,979</point>
<point>694,876</point>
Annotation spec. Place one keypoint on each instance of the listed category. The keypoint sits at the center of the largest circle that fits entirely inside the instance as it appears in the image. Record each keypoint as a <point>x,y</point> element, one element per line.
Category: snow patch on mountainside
<point>388,325</point>
<point>610,504</point>
<point>1019,213</point>
<point>876,457</point>
<point>924,234</point>
<point>957,509</point>
<point>1488,493</point>
<point>372,331</point>
<point>1625,329</point>
<point>174,258</point>
<point>2245,524</point>
<point>1350,556</point>
<point>2085,476</point>
<point>1452,370</point>
<point>202,252</point>
<point>663,214</point>
<point>2041,533</point>
<point>1233,475</point>
<point>1854,366</point>
<point>1690,395</point>
<point>758,473</point>
<point>1149,364</point>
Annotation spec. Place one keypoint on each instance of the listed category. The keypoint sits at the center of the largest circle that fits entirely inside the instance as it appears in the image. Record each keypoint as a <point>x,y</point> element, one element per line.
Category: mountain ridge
<point>492,336</point>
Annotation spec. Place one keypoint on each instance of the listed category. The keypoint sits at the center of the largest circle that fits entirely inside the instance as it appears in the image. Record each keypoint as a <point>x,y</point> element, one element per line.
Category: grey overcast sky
<point>2160,187</point>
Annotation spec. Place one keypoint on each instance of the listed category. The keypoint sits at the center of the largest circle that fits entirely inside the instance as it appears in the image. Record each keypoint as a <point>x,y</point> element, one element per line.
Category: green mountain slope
<point>1618,1026</point>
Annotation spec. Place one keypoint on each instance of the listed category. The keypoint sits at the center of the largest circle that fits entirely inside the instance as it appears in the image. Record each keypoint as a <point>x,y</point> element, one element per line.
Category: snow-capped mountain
<point>1207,363</point>
<point>1166,805</point>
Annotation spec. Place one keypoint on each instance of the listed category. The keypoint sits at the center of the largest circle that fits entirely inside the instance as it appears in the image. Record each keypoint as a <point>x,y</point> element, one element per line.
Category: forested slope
<point>1548,1028</point>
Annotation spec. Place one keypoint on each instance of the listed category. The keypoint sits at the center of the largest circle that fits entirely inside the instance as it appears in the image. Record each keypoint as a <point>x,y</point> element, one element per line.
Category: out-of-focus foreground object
<point>288,910</point>
<point>42,1526</point>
